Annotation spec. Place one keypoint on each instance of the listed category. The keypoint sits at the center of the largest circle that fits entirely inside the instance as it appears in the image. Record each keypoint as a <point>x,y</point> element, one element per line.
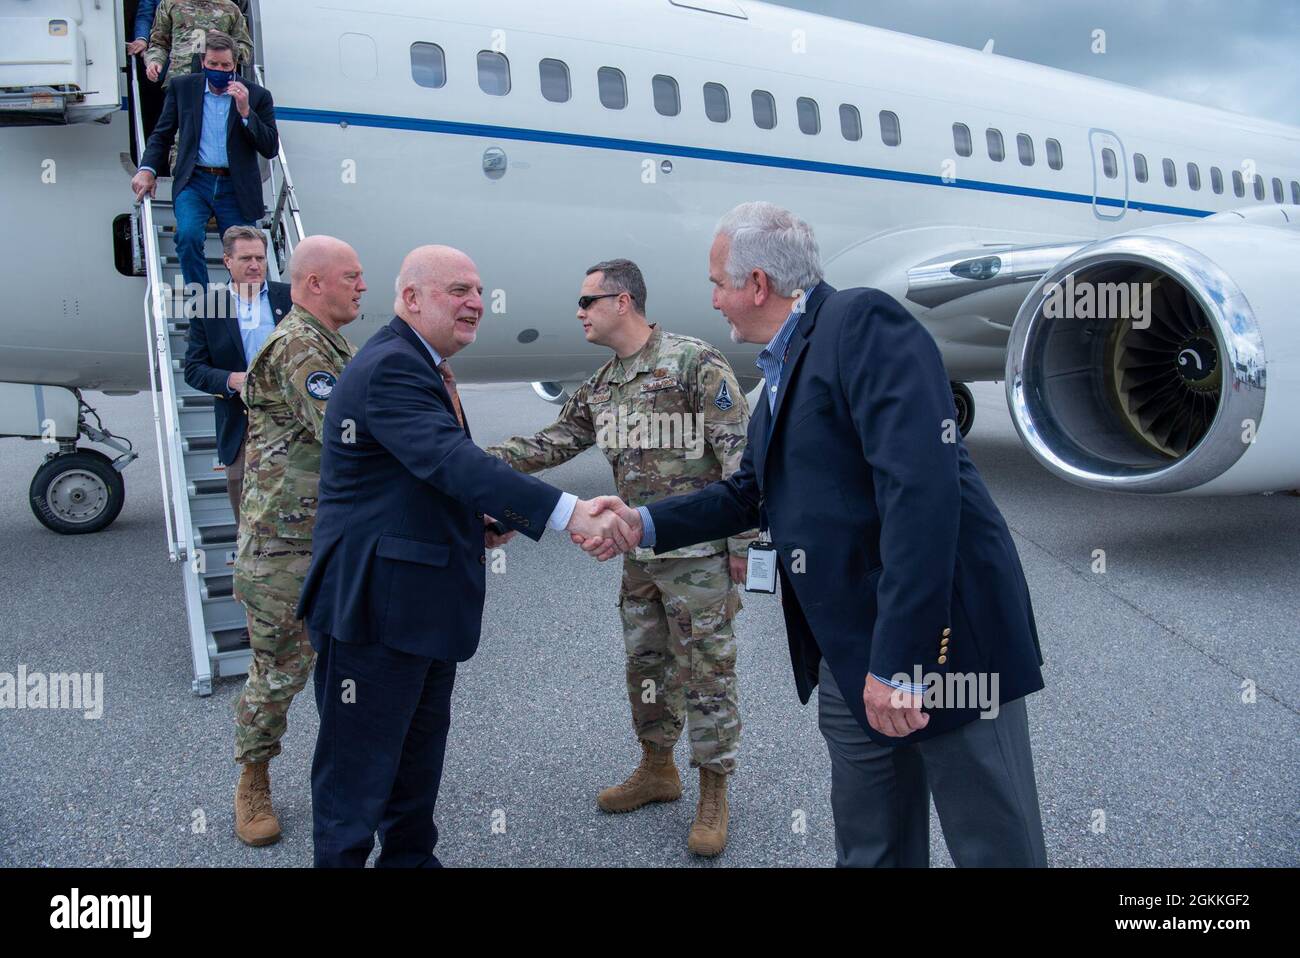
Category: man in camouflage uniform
<point>180,30</point>
<point>289,381</point>
<point>669,414</point>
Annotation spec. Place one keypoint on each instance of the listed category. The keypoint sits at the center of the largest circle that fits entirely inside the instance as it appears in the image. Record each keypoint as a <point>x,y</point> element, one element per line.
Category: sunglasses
<point>584,302</point>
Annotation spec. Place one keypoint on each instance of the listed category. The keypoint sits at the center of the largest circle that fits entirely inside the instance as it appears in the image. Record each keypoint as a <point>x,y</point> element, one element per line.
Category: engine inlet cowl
<point>1138,364</point>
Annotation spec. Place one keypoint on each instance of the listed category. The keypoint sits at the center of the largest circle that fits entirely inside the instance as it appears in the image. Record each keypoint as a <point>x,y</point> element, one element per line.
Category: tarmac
<point>1166,734</point>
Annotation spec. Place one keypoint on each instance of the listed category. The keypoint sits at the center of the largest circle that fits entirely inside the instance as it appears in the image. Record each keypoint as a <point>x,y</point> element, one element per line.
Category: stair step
<point>199,443</point>
<point>208,487</point>
<point>218,534</point>
<point>230,640</point>
<point>196,401</point>
<point>175,261</point>
<point>218,587</point>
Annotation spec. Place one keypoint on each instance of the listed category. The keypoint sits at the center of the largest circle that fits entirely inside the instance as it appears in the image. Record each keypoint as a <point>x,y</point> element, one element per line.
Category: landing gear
<point>77,492</point>
<point>965,403</point>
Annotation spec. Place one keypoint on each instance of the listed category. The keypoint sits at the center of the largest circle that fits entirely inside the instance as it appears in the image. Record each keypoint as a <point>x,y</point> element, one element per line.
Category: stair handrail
<point>175,504</point>
<point>285,211</point>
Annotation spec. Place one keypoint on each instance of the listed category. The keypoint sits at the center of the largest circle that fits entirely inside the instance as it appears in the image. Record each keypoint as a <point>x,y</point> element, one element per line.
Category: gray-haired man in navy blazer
<point>901,587</point>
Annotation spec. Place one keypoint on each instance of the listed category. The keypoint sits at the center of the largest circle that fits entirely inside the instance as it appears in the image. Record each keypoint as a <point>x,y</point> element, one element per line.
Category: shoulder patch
<point>320,384</point>
<point>723,399</point>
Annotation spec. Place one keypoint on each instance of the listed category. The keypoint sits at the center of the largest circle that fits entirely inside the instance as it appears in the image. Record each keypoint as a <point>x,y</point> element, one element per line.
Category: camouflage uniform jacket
<point>289,381</point>
<point>180,29</point>
<point>670,419</point>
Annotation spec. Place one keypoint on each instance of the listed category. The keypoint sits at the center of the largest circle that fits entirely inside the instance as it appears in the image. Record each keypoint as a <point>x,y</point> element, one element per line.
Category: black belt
<point>214,170</point>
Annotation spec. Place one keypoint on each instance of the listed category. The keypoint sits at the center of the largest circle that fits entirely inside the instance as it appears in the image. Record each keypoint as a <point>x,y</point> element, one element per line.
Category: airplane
<point>542,138</point>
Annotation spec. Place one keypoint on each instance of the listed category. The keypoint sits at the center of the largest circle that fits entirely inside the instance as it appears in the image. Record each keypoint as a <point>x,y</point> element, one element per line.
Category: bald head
<point>440,296</point>
<point>326,279</point>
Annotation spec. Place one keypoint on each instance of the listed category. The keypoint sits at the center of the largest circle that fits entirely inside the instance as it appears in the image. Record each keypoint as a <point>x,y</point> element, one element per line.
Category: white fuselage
<point>388,164</point>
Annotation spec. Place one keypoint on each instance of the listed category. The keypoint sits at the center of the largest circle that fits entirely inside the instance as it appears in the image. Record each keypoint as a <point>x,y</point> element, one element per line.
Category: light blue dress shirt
<point>256,320</point>
<point>563,510</point>
<point>212,135</point>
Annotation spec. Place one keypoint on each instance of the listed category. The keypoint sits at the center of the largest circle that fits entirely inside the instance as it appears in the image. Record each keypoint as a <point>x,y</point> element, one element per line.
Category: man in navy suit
<point>223,126</point>
<point>224,340</point>
<point>901,587</point>
<point>394,596</point>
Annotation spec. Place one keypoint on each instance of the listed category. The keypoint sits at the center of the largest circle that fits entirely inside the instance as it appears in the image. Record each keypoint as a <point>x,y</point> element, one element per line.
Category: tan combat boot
<point>709,833</point>
<point>654,780</point>
<point>255,821</point>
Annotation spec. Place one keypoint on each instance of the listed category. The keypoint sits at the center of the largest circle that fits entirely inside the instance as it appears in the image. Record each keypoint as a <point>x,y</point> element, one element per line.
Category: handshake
<point>605,526</point>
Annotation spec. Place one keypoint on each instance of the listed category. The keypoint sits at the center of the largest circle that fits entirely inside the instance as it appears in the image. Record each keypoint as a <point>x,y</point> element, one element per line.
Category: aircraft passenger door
<point>1109,176</point>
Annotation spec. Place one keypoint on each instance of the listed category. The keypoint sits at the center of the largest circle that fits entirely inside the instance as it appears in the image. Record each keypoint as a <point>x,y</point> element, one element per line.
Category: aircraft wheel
<point>965,403</point>
<point>77,493</point>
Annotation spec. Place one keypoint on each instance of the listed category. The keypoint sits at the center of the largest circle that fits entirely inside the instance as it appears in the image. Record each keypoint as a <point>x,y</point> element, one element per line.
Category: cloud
<point>1238,56</point>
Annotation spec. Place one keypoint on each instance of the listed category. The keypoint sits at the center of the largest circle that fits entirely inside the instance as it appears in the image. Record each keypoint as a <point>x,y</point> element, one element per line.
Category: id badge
<point>761,568</point>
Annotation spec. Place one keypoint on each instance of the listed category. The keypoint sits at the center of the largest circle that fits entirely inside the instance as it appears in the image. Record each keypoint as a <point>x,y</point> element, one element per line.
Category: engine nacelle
<point>1167,360</point>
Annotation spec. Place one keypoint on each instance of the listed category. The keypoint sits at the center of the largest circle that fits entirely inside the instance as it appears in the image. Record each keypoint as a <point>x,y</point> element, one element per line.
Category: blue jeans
<point>204,196</point>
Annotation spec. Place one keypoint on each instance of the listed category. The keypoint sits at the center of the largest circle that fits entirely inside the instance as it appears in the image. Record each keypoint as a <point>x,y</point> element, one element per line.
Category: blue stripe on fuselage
<point>693,152</point>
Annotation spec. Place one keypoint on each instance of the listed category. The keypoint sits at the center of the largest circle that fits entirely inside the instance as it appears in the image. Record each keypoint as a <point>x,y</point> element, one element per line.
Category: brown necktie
<point>449,380</point>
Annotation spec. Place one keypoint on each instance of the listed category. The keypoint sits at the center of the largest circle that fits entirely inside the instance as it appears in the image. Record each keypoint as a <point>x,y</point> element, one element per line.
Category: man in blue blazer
<point>902,591</point>
<point>220,125</point>
<point>223,341</point>
<point>394,596</point>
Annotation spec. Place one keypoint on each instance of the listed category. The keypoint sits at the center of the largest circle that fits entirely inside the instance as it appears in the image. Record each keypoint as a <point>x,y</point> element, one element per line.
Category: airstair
<point>201,531</point>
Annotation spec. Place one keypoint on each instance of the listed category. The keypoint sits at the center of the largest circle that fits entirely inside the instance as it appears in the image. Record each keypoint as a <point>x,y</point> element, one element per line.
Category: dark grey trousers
<point>981,776</point>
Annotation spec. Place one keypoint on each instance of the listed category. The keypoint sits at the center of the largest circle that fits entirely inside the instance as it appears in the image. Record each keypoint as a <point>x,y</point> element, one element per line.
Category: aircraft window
<point>428,65</point>
<point>1171,172</point>
<point>1238,184</point>
<point>555,80</point>
<point>1025,147</point>
<point>613,87</point>
<point>850,122</point>
<point>1278,195</point>
<point>493,73</point>
<point>717,103</point>
<point>961,139</point>
<point>1193,176</point>
<point>668,101</point>
<point>997,150</point>
<point>1295,193</point>
<point>1054,157</point>
<point>890,130</point>
<point>1140,172</point>
<point>810,118</point>
<point>764,109</point>
<point>1216,179</point>
<point>1109,166</point>
<point>1259,187</point>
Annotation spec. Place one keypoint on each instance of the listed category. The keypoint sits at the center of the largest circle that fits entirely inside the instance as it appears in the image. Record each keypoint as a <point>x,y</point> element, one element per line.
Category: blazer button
<point>482,560</point>
<point>943,659</point>
<point>947,632</point>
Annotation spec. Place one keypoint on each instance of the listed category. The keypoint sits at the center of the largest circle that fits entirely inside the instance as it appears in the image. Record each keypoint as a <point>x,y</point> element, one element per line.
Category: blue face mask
<point>220,79</point>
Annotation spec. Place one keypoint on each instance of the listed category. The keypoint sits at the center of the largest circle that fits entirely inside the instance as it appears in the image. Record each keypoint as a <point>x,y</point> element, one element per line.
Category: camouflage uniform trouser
<point>681,655</point>
<point>268,579</point>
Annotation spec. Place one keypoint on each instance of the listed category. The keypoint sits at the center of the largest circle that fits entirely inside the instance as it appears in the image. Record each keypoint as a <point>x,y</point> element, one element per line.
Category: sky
<point>1238,55</point>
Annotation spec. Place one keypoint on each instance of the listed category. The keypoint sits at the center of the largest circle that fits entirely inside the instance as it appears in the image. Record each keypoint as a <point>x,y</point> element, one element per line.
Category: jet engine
<point>1167,360</point>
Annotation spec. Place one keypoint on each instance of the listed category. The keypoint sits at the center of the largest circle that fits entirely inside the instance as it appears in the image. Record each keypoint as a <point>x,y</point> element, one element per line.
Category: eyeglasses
<point>584,302</point>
